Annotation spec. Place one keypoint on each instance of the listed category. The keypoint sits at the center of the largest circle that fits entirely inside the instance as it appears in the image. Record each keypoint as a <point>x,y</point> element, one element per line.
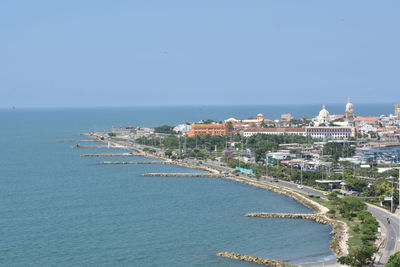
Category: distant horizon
<point>197,105</point>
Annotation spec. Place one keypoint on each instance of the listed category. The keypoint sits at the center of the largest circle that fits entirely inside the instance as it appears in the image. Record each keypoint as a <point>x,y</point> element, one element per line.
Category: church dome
<point>323,113</point>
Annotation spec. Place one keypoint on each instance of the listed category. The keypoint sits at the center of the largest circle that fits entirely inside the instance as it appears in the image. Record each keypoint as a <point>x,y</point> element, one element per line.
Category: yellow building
<point>208,129</point>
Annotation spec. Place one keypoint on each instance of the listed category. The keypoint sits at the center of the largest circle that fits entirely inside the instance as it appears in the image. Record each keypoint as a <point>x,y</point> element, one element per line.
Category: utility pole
<point>301,172</point>
<point>391,201</point>
<point>185,147</point>
<point>180,150</point>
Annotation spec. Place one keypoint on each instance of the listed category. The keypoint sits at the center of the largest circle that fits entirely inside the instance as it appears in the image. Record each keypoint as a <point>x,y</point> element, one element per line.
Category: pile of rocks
<point>261,261</point>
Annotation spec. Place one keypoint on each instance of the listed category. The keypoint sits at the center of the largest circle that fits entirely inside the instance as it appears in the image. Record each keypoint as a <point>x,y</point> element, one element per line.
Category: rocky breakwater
<point>282,191</point>
<point>261,261</point>
<point>134,162</point>
<point>339,229</point>
<point>204,175</point>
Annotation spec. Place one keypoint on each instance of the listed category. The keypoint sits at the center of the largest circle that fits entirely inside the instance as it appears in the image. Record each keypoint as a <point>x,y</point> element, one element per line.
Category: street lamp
<point>391,200</point>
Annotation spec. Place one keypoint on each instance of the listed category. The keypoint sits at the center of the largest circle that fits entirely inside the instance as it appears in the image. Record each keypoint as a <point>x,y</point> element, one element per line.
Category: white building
<point>182,128</point>
<point>323,118</point>
<point>330,132</point>
<point>275,131</point>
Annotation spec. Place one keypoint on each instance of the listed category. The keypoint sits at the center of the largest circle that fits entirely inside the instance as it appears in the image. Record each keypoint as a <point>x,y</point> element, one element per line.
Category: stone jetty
<point>79,141</point>
<point>134,162</point>
<point>90,146</point>
<point>204,175</point>
<point>339,229</point>
<point>261,261</point>
<point>114,155</point>
<point>283,215</point>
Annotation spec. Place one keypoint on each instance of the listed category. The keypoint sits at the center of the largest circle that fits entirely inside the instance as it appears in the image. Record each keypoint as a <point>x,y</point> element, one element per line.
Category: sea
<point>60,209</point>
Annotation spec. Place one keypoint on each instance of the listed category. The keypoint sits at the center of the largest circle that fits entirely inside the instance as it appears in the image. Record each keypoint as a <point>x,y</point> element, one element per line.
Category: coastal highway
<point>390,231</point>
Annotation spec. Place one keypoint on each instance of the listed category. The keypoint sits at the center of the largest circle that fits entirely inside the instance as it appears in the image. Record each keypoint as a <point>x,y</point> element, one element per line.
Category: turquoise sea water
<point>60,209</point>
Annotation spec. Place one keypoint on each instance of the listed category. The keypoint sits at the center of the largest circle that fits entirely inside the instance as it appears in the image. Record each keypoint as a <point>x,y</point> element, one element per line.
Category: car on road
<point>299,186</point>
<point>275,180</point>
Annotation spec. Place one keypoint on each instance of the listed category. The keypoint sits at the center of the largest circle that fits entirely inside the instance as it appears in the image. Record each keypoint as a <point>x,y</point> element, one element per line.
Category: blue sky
<point>128,53</point>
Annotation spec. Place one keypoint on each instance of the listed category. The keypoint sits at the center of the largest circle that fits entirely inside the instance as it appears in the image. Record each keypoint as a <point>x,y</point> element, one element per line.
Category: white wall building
<point>275,131</point>
<point>323,118</point>
<point>329,132</point>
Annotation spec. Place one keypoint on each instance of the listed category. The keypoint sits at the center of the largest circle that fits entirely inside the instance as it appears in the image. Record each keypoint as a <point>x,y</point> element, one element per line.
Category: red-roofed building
<point>367,120</point>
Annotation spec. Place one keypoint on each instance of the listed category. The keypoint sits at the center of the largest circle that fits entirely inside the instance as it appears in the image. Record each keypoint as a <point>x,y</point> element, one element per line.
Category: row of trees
<point>337,150</point>
<point>354,209</point>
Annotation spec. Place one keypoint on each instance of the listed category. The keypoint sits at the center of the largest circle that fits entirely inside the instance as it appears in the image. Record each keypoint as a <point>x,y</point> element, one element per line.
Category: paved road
<point>392,230</point>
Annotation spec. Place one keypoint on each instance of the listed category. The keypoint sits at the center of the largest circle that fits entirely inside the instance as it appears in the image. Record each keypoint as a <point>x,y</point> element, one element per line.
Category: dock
<point>204,175</point>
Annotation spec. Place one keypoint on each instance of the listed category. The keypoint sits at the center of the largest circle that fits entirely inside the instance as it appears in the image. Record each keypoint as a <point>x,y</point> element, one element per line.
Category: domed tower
<point>260,119</point>
<point>350,111</point>
<point>323,118</point>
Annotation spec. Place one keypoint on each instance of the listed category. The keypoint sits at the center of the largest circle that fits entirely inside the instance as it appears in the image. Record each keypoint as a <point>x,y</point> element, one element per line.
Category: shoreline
<point>339,232</point>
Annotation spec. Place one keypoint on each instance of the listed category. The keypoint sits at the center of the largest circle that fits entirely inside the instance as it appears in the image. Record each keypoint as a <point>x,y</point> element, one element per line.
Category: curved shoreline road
<point>391,232</point>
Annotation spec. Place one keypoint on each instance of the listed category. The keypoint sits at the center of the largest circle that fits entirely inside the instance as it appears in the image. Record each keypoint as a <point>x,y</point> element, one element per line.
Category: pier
<point>204,175</point>
<point>114,155</point>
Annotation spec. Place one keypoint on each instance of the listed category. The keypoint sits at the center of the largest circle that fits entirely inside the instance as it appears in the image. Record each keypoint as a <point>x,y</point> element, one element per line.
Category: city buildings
<point>274,131</point>
<point>350,115</point>
<point>323,118</point>
<point>325,132</point>
<point>259,121</point>
<point>397,110</point>
<point>209,129</point>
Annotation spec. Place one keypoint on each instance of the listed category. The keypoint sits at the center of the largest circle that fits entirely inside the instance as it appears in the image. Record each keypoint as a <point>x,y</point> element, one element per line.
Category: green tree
<point>356,184</point>
<point>349,206</point>
<point>164,129</point>
<point>358,256</point>
<point>394,260</point>
<point>337,150</point>
<point>168,153</point>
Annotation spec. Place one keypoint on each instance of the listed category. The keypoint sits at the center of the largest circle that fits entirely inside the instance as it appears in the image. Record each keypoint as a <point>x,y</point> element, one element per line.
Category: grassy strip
<point>363,228</point>
<point>354,235</point>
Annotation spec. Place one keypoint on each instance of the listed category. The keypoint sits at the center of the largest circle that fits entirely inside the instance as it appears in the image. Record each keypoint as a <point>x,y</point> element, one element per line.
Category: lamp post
<point>391,201</point>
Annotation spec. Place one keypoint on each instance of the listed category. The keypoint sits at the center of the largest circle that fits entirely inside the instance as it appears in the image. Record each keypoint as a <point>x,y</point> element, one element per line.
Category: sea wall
<point>204,175</point>
<point>339,229</point>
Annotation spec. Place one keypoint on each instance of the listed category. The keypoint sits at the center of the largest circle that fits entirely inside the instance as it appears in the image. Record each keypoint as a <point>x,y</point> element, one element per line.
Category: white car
<point>299,186</point>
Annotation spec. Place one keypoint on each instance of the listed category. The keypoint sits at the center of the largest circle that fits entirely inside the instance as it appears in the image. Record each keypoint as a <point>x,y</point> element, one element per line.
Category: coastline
<point>339,232</point>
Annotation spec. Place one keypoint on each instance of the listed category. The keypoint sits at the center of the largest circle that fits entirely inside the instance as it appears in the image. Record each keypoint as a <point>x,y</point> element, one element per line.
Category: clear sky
<point>127,53</point>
